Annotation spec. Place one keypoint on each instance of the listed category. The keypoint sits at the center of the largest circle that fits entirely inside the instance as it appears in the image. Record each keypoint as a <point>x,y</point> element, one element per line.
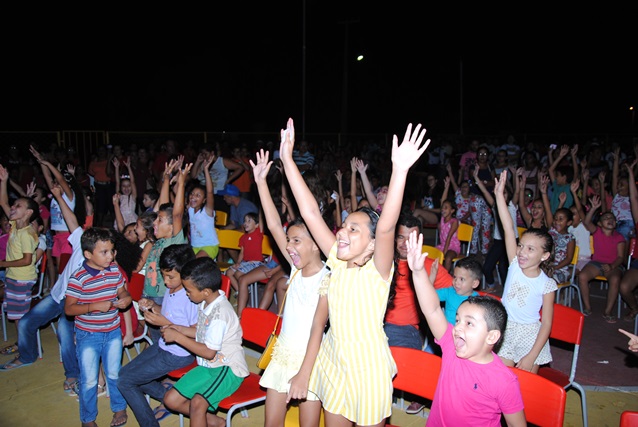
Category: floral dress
<point>560,253</point>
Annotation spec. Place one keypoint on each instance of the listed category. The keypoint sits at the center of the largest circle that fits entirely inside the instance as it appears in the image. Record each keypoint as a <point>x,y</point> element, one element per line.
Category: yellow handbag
<point>264,360</point>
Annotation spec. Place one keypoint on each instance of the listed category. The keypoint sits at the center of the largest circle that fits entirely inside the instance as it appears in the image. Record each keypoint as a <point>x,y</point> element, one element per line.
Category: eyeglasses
<point>482,154</point>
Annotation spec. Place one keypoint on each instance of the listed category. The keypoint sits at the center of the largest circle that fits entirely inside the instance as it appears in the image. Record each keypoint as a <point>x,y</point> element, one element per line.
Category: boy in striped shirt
<point>95,294</point>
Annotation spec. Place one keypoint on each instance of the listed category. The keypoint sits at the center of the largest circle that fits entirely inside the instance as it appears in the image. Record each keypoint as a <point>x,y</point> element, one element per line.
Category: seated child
<point>467,277</point>
<point>250,254</point>
<point>217,343</point>
<point>94,295</point>
<point>142,375</point>
<point>468,356</point>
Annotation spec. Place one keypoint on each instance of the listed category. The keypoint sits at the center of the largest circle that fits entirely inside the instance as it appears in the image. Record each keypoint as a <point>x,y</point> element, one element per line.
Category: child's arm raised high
<point>403,157</point>
<point>504,216</point>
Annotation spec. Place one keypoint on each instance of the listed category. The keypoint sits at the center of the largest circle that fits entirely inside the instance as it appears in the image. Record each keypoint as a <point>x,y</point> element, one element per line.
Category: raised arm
<point>552,167</point>
<point>446,189</point>
<point>527,217</point>
<point>633,191</point>
<point>260,172</point>
<point>178,206</point>
<point>17,188</point>
<point>131,175</point>
<point>403,157</point>
<point>603,193</point>
<point>585,179</point>
<point>486,194</point>
<point>235,168</point>
<point>69,217</point>
<point>579,207</point>
<point>119,219</point>
<point>504,215</point>
<point>425,292</point>
<point>450,173</point>
<point>367,187</point>
<point>164,196</point>
<point>542,186</point>
<point>339,177</point>
<point>614,172</point>
<point>116,166</point>
<point>587,221</point>
<point>574,156</point>
<point>210,188</point>
<point>4,194</point>
<point>199,162</point>
<point>353,184</point>
<point>308,206</point>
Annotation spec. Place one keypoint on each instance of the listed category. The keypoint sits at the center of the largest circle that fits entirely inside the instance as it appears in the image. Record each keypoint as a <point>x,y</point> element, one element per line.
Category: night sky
<point>239,68</point>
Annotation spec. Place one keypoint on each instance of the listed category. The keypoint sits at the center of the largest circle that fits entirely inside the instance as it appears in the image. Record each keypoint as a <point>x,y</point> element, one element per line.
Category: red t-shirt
<point>406,310</point>
<point>251,243</point>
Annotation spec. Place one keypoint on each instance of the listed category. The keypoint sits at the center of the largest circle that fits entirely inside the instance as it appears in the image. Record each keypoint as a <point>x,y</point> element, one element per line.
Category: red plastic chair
<point>544,400</point>
<point>567,327</point>
<point>136,286</point>
<point>64,259</point>
<point>629,419</point>
<point>417,372</point>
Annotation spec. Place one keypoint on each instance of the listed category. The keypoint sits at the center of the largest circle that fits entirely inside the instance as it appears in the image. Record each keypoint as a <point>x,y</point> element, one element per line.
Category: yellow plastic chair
<point>521,230</point>
<point>464,233</point>
<point>221,219</point>
<point>570,286</point>
<point>228,239</point>
<point>433,253</point>
<point>266,250</point>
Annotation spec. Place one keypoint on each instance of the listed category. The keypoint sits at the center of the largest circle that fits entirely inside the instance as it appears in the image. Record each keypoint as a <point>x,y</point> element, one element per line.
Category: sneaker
<point>414,408</point>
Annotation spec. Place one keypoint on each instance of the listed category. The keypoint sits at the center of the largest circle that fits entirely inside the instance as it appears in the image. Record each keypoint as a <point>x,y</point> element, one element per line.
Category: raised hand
<point>353,165</point>
<point>595,202</point>
<point>499,184</point>
<point>574,150</point>
<point>410,150</point>
<point>361,167</point>
<point>416,259</point>
<point>116,199</point>
<point>446,182</point>
<point>182,173</point>
<point>127,162</point>
<point>544,182</point>
<point>601,176</point>
<point>574,186</point>
<point>70,169</point>
<point>585,175</point>
<point>338,175</point>
<point>4,174</point>
<point>562,197</point>
<point>36,154</point>
<point>116,162</point>
<point>630,167</point>
<point>207,161</point>
<point>475,172</point>
<point>287,140</point>
<point>564,149</point>
<point>261,168</point>
<point>30,189</point>
<point>180,161</point>
<point>56,190</point>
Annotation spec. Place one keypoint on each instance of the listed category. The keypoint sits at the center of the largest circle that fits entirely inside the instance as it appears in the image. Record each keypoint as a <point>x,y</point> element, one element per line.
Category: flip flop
<point>10,349</point>
<point>163,411</point>
<point>609,318</point>
<point>13,365</point>
<point>120,420</point>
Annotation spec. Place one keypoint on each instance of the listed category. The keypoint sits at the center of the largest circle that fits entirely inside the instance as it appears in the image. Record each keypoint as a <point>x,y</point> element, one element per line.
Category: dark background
<point>238,67</point>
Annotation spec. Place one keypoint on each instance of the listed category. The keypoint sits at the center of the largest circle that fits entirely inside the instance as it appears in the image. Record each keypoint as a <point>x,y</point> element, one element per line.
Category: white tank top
<point>57,219</point>
<point>203,231</point>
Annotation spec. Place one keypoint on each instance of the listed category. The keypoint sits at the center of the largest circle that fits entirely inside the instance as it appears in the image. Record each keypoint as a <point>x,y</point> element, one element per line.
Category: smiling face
<point>464,282</point>
<point>472,339</point>
<point>196,199</point>
<point>607,221</point>
<point>19,211</point>
<point>530,252</point>
<point>401,240</point>
<point>561,222</point>
<point>382,194</point>
<point>129,233</point>
<point>447,210</point>
<point>354,240</point>
<point>538,210</point>
<point>301,248</point>
<point>126,187</point>
<point>102,256</point>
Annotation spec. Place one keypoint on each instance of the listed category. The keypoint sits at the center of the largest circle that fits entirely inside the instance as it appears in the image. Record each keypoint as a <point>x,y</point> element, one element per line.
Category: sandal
<point>101,390</point>
<point>119,418</point>
<point>10,349</point>
<point>69,386</point>
<point>631,316</point>
<point>586,312</point>
<point>609,318</point>
<point>13,365</point>
<point>161,412</point>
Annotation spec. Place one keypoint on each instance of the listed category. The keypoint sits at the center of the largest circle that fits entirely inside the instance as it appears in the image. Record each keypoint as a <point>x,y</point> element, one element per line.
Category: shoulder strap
<point>281,308</point>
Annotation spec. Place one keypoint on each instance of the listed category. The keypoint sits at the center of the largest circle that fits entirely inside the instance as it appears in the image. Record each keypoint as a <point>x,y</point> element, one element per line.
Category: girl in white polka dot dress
<point>528,289</point>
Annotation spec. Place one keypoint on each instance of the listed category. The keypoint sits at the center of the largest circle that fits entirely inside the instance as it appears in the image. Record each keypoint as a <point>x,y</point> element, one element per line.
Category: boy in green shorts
<point>217,343</point>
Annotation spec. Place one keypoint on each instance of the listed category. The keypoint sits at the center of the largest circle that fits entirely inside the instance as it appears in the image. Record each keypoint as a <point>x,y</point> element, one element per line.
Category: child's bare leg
<point>613,277</point>
<point>587,273</point>
<point>269,290</point>
<point>214,420</point>
<point>275,411</point>
<point>244,280</point>
<point>309,413</point>
<point>176,402</point>
<point>628,285</point>
<point>447,262</point>
<point>231,275</point>
<point>198,411</point>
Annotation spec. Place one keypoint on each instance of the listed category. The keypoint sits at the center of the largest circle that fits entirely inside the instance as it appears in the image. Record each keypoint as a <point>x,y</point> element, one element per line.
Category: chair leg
<point>583,400</point>
<point>39,344</point>
<point>4,322</point>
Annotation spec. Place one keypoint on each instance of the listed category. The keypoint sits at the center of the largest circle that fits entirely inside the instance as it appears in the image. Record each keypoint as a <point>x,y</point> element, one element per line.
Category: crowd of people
<point>355,280</point>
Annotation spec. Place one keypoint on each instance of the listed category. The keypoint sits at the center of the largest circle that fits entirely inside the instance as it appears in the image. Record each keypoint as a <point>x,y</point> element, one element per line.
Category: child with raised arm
<point>127,190</point>
<point>217,343</point>
<point>358,389</point>
<point>474,386</point>
<point>307,272</point>
<point>607,260</point>
<point>95,294</point>
<point>528,288</point>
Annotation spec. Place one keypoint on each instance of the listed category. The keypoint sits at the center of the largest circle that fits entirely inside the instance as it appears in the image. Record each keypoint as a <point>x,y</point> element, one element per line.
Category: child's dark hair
<point>374,218</point>
<point>298,222</point>
<point>174,257</point>
<point>409,221</point>
<point>152,194</point>
<point>80,207</point>
<point>203,272</point>
<point>168,209</point>
<point>473,265</point>
<point>39,222</point>
<point>96,234</point>
<point>128,254</point>
<point>203,189</point>
<point>548,246</point>
<point>147,219</point>
<point>567,171</point>
<point>452,204</point>
<point>567,212</point>
<point>33,205</point>
<point>253,215</point>
<point>495,313</point>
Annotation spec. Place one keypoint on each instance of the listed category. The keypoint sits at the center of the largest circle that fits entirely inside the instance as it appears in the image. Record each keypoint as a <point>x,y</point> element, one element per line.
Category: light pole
<point>633,114</point>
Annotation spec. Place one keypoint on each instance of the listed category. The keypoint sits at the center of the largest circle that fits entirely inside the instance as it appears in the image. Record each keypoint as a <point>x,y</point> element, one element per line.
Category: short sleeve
<point>325,284</point>
<point>550,286</point>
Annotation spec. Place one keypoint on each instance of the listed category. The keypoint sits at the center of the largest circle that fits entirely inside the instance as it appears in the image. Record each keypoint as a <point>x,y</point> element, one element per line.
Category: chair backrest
<point>417,371</point>
<point>229,239</point>
<point>266,246</point>
<point>544,400</point>
<point>433,253</point>
<point>257,325</point>
<point>136,286</point>
<point>225,285</point>
<point>567,325</point>
<point>43,264</point>
<point>573,267</point>
<point>221,219</point>
<point>629,419</point>
<point>64,258</point>
<point>464,234</point>
<point>521,230</point>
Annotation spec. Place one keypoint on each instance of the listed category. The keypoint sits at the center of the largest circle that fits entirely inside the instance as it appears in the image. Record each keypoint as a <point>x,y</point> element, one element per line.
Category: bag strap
<point>281,308</point>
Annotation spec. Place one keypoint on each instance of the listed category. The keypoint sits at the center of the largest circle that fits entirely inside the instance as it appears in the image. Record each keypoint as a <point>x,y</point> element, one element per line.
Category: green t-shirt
<point>154,282</point>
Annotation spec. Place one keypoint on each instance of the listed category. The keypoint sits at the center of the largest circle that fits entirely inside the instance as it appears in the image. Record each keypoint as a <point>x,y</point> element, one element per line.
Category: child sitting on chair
<point>217,343</point>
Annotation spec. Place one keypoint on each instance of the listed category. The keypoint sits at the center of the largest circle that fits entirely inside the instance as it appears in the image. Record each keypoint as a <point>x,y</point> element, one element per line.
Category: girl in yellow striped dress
<point>351,370</point>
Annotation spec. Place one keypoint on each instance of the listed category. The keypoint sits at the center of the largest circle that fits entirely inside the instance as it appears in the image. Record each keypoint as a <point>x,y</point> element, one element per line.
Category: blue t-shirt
<point>237,213</point>
<point>452,302</point>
